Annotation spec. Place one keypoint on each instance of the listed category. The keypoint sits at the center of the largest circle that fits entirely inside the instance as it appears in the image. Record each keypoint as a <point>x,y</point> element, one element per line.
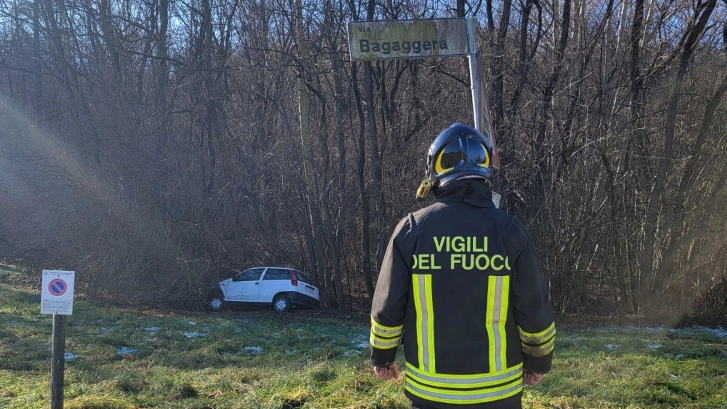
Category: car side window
<point>252,274</point>
<point>277,274</point>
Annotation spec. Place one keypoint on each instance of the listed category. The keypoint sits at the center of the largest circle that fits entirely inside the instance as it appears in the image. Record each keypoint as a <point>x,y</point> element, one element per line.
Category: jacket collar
<point>472,191</point>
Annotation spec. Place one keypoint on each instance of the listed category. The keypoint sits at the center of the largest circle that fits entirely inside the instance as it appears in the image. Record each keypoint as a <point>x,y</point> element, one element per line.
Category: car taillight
<point>294,278</point>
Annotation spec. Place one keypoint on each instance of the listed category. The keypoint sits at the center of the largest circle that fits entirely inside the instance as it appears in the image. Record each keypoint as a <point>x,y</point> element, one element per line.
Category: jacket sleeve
<point>532,309</point>
<point>388,307</point>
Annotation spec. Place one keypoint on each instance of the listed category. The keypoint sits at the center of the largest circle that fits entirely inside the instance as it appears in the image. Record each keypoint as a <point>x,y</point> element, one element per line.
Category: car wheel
<point>216,301</point>
<point>281,303</point>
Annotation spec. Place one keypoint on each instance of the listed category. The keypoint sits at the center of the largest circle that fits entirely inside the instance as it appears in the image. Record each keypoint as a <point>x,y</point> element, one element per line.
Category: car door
<point>274,281</point>
<point>245,286</point>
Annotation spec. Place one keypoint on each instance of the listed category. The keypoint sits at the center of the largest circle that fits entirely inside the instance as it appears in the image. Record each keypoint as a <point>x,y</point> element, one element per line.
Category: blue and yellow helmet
<point>459,152</point>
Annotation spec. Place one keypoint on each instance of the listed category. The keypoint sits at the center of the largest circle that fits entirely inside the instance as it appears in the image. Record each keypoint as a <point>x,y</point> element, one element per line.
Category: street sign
<point>56,295</point>
<point>393,39</point>
<point>443,37</point>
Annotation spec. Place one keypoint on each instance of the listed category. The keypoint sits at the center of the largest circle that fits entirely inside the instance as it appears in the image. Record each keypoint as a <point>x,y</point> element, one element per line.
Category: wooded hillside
<point>155,146</point>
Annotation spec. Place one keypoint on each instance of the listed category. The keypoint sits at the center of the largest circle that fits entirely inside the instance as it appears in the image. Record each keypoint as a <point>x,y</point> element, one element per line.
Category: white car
<point>281,287</point>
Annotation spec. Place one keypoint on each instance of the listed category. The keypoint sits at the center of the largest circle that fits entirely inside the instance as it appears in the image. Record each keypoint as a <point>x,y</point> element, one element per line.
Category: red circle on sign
<point>57,287</point>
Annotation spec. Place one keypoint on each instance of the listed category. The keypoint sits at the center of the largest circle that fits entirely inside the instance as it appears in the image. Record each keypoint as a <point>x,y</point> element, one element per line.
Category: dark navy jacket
<point>462,289</point>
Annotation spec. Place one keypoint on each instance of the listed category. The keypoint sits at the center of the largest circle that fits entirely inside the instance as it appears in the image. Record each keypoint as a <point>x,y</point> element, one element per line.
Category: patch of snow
<point>195,334</point>
<point>126,351</point>
<point>68,356</point>
<point>612,347</point>
<point>655,346</point>
<point>253,350</point>
<point>360,341</point>
<point>649,329</point>
<point>718,332</point>
<point>153,329</point>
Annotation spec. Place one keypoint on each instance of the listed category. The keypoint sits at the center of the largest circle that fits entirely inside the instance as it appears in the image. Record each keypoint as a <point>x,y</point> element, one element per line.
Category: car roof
<point>285,268</point>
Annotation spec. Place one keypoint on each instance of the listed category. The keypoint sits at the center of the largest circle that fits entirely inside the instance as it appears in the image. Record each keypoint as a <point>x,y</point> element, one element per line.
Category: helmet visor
<point>477,153</point>
<point>459,152</point>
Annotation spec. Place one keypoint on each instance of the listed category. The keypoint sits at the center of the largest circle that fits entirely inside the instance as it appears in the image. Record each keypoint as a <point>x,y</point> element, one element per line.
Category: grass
<point>119,359</point>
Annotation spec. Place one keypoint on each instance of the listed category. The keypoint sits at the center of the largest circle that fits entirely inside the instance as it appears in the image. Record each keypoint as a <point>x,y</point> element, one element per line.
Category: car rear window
<point>304,278</point>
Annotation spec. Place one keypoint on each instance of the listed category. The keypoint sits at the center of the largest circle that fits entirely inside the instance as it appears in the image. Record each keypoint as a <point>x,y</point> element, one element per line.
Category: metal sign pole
<point>474,73</point>
<point>58,359</point>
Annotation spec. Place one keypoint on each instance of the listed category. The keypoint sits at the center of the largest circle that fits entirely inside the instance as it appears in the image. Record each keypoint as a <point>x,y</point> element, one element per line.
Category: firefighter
<point>462,289</point>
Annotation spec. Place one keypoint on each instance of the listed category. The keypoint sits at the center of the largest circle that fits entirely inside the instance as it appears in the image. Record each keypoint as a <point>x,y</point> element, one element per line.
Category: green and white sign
<point>443,37</point>
<point>383,40</point>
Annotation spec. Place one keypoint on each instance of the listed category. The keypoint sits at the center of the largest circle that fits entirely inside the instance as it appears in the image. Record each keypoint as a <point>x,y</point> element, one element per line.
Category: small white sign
<point>392,39</point>
<point>56,296</point>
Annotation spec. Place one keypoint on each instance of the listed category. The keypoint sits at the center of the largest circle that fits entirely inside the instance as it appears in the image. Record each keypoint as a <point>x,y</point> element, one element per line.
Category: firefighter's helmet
<point>459,152</point>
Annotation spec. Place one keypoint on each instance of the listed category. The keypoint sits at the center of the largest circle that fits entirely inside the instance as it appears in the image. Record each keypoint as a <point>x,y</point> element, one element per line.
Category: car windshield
<point>252,274</point>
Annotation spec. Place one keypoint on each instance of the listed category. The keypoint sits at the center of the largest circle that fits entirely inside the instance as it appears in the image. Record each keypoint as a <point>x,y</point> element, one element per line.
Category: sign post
<point>57,299</point>
<point>428,38</point>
